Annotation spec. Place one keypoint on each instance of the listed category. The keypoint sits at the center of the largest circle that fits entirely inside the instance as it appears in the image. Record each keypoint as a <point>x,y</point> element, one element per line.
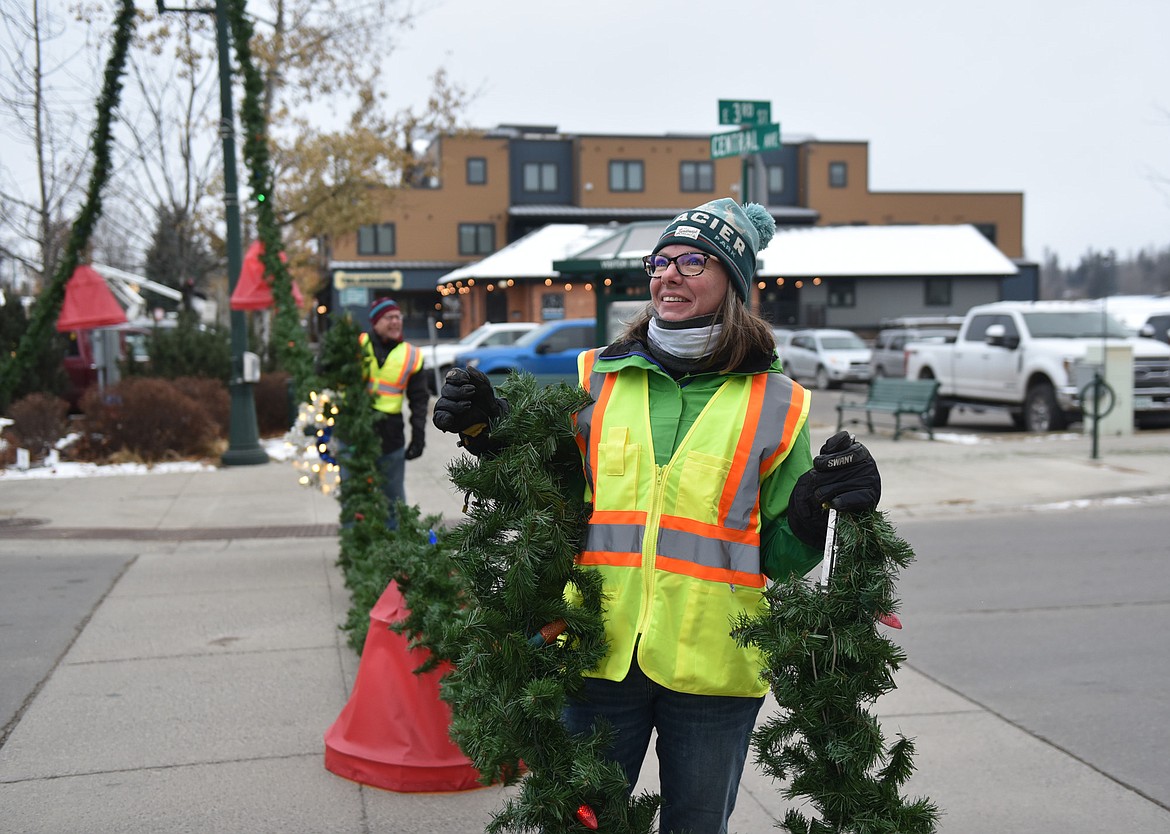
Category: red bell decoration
<point>88,302</point>
<point>253,292</point>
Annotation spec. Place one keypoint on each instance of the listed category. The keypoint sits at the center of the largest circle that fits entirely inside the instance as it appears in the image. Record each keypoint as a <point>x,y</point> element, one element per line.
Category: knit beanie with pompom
<point>732,233</point>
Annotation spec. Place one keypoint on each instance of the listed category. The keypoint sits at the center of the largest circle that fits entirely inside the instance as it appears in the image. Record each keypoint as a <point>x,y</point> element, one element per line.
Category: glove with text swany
<point>467,405</point>
<point>415,449</point>
<point>844,477</point>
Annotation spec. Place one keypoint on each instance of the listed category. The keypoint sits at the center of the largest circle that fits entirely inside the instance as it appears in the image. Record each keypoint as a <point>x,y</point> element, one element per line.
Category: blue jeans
<point>702,744</point>
<point>392,466</point>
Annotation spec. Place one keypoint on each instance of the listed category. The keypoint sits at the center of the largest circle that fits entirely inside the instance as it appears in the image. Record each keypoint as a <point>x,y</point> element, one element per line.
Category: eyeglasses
<point>688,264</point>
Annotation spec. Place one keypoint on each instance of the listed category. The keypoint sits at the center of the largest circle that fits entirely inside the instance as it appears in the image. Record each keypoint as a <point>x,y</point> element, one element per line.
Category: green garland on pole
<point>48,304</point>
<point>826,663</point>
<point>288,336</point>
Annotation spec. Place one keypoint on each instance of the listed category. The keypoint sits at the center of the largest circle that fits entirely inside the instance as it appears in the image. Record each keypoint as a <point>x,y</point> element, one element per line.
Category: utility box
<point>1115,363</point>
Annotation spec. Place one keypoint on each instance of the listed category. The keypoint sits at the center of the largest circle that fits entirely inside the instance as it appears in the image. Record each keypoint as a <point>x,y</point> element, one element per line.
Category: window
<point>842,292</point>
<point>938,292</point>
<point>376,239</point>
<point>540,176</point>
<point>476,170</point>
<point>625,175</point>
<point>838,174</point>
<point>696,176</point>
<point>552,306</point>
<point>775,179</point>
<point>575,338</point>
<point>987,230</point>
<point>477,238</point>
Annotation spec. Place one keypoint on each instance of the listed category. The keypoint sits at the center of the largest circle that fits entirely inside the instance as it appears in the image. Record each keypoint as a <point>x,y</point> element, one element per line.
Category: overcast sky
<point>1067,101</point>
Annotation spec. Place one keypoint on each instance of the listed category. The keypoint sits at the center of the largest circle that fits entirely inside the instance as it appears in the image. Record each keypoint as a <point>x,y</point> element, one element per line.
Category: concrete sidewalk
<point>195,693</point>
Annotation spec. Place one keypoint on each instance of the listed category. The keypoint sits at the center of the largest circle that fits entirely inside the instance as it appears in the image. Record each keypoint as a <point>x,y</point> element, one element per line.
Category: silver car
<point>828,357</point>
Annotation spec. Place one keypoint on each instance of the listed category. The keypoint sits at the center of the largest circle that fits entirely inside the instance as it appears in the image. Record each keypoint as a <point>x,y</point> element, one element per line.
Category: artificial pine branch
<point>35,339</point>
<point>826,664</point>
<point>515,555</point>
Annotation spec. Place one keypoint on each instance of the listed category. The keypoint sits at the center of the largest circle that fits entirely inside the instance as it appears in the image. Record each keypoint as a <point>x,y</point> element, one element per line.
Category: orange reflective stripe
<point>607,557</point>
<point>599,408</point>
<point>728,577</point>
<point>637,517</point>
<point>743,448</point>
<point>709,531</point>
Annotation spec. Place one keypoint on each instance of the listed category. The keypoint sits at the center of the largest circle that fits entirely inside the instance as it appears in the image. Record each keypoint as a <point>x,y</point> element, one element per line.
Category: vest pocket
<point>700,487</point>
<point>617,471</point>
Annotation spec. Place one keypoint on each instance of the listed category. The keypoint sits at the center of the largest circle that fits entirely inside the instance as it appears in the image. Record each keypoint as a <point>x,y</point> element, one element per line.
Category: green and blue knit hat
<point>732,233</point>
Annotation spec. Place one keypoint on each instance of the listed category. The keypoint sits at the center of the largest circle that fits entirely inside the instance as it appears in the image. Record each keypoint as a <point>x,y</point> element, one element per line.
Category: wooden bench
<point>897,397</point>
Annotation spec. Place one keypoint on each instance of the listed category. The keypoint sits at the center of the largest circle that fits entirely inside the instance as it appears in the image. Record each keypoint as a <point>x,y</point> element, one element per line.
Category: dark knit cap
<point>732,233</point>
<point>381,307</point>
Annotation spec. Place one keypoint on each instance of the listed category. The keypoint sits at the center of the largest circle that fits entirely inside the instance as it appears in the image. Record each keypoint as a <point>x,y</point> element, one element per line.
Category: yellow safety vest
<point>387,382</point>
<point>678,546</point>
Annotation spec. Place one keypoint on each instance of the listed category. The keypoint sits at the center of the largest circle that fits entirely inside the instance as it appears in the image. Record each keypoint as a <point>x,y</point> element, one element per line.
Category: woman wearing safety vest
<point>698,466</point>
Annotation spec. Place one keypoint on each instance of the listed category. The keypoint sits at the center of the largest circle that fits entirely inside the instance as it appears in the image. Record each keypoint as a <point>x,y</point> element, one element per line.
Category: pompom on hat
<point>732,233</point>
<point>381,307</point>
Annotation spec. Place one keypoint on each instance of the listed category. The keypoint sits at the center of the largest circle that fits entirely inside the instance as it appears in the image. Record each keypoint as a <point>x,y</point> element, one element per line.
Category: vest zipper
<point>650,545</point>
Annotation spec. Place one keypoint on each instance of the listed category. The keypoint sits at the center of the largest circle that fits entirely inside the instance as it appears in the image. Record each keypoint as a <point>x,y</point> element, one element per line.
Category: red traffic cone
<point>392,733</point>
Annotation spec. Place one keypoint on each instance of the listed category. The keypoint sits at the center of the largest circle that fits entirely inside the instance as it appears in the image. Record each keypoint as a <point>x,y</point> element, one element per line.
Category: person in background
<point>697,463</point>
<point>393,368</point>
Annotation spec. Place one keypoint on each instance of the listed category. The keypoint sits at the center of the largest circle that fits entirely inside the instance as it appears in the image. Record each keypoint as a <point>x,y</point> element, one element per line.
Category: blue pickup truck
<point>550,351</point>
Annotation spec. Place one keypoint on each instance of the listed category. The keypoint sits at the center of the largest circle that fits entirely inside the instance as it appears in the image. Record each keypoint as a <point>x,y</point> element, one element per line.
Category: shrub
<point>213,395</point>
<point>151,419</point>
<point>274,414</point>
<point>38,421</point>
<point>189,350</point>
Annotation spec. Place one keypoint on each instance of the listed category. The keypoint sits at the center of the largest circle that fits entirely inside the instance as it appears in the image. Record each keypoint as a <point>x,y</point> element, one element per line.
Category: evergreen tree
<point>178,254</point>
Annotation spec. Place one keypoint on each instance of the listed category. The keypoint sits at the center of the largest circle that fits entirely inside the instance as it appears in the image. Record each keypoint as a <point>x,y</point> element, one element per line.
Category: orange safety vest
<point>678,546</point>
<point>387,382</point>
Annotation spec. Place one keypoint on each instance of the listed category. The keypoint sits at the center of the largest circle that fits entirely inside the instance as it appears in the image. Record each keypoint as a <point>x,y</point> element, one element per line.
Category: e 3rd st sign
<point>756,133</point>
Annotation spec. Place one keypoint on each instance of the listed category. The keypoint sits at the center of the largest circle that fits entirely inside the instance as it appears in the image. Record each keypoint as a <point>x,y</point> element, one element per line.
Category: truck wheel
<point>1041,412</point>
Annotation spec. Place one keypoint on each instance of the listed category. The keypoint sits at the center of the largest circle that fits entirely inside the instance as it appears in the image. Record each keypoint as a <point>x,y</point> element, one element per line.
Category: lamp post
<point>243,435</point>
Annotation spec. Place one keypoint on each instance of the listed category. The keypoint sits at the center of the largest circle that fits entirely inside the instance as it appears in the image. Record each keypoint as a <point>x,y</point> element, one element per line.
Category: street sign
<point>737,142</point>
<point>744,112</point>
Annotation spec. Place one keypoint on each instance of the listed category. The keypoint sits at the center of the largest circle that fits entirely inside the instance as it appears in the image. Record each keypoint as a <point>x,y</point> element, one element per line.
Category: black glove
<point>844,477</point>
<point>415,449</point>
<point>467,405</point>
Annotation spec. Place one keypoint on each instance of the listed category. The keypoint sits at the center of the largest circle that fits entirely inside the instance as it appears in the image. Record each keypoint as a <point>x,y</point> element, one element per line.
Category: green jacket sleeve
<point>782,554</point>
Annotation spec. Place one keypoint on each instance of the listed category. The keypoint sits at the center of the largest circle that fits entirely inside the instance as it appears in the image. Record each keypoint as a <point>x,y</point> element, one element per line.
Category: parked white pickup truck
<point>1021,355</point>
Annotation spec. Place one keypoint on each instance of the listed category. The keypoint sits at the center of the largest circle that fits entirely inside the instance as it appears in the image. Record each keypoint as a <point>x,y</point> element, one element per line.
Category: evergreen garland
<point>826,663</point>
<point>41,327</point>
<point>292,352</point>
<point>515,554</point>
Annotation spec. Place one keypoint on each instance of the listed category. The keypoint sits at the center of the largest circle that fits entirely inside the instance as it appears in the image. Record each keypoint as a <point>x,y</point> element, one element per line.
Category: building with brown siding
<point>492,188</point>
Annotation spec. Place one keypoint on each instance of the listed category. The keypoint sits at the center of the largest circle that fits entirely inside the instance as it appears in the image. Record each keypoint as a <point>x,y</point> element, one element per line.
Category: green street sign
<point>737,142</point>
<point>744,112</point>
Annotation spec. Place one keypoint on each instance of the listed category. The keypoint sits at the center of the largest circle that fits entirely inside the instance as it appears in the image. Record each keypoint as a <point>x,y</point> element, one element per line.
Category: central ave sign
<point>738,142</point>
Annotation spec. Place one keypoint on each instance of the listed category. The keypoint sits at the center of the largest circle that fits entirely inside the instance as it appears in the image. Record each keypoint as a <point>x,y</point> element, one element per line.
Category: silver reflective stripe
<point>708,552</point>
<point>616,538</point>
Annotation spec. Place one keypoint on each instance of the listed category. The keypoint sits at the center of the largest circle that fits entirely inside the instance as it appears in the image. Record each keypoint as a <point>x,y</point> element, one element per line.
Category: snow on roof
<point>824,251</point>
<point>531,256</point>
